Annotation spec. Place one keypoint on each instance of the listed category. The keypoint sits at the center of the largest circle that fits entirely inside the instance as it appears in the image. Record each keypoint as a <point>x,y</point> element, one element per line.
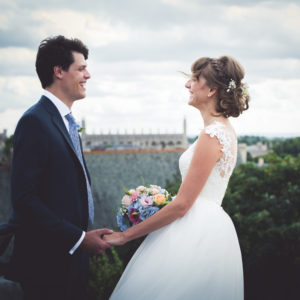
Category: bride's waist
<point>201,200</point>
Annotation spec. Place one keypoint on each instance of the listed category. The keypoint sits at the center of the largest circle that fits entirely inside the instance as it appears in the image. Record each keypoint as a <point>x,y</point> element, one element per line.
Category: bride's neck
<point>209,116</point>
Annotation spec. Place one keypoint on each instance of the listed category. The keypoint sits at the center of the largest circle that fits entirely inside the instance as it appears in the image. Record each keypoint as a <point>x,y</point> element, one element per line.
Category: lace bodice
<point>217,181</point>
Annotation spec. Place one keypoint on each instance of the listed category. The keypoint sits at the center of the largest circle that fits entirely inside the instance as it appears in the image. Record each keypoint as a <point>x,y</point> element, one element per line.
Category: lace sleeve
<point>226,163</point>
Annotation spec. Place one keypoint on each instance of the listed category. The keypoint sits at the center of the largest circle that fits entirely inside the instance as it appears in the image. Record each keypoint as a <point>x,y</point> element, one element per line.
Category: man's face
<point>75,78</point>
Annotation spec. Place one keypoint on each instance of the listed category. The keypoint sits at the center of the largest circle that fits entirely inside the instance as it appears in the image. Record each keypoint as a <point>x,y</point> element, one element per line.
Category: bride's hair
<point>225,74</point>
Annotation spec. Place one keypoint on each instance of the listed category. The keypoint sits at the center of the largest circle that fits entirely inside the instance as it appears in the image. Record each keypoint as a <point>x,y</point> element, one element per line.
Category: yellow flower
<point>159,199</point>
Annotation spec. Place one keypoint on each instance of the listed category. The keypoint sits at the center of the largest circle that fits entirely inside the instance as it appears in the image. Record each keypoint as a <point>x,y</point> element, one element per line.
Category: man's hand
<point>93,242</point>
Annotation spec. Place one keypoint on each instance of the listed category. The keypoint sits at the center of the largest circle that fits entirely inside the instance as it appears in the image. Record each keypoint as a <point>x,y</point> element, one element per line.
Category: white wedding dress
<point>197,256</point>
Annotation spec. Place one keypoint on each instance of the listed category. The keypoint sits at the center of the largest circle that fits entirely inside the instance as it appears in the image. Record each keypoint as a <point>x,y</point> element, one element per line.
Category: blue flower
<point>136,205</point>
<point>148,211</point>
<point>121,221</point>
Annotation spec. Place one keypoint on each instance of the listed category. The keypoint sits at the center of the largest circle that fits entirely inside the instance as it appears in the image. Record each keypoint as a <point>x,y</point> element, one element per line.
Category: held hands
<point>115,238</point>
<point>93,241</point>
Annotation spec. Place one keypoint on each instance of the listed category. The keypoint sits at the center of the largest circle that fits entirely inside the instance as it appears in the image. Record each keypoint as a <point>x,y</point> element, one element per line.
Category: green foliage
<point>8,146</point>
<point>249,157</point>
<point>173,185</point>
<point>264,204</point>
<point>105,271</point>
<point>252,140</point>
<point>288,146</point>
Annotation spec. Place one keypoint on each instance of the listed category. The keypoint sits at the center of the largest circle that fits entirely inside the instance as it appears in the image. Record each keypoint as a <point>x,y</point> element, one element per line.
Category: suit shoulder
<point>35,112</point>
<point>32,117</point>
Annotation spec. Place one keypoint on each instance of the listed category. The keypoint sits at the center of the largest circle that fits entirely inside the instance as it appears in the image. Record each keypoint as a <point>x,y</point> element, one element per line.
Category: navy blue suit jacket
<point>49,197</point>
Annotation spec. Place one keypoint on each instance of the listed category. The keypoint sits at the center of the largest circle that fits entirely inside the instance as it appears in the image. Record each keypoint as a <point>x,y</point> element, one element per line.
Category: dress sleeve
<point>217,130</point>
<point>226,163</point>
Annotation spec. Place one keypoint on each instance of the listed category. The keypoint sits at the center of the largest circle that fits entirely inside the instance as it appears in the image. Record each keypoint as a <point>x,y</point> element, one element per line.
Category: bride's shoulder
<point>223,132</point>
<point>214,127</point>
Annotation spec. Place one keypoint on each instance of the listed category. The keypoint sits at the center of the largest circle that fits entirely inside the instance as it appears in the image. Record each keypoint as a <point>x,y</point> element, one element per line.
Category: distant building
<point>258,149</point>
<point>241,154</point>
<point>157,141</point>
<point>3,137</point>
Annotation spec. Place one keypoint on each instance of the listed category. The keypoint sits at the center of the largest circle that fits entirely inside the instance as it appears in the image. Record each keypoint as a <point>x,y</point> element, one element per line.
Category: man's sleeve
<point>78,243</point>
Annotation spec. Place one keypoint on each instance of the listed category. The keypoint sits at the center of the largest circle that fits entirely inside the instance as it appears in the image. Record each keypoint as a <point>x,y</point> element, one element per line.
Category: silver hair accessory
<point>231,85</point>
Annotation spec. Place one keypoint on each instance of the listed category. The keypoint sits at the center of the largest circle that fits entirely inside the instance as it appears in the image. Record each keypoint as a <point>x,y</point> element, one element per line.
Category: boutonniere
<point>79,128</point>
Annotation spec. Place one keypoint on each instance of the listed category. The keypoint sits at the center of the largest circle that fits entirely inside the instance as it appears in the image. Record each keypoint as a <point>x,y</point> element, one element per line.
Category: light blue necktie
<point>75,139</point>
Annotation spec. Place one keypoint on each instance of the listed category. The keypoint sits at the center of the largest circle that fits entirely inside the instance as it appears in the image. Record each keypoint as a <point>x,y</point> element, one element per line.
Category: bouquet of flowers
<point>141,203</point>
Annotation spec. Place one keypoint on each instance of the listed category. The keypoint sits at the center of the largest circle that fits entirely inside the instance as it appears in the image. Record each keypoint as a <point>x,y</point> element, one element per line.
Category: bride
<point>192,250</point>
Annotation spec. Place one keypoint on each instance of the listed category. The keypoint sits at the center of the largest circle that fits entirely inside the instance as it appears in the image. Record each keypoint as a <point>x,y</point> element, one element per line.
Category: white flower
<point>141,189</point>
<point>153,191</point>
<point>155,186</point>
<point>126,200</point>
<point>244,88</point>
<point>231,85</point>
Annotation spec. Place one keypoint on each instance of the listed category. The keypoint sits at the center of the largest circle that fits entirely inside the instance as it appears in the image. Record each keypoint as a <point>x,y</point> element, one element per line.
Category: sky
<point>137,49</point>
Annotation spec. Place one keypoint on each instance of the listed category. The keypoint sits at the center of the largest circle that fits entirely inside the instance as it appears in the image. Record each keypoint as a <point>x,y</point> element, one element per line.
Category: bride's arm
<point>207,153</point>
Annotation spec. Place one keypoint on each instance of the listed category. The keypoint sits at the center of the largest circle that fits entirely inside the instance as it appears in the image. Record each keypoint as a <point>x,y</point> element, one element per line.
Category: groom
<point>51,192</point>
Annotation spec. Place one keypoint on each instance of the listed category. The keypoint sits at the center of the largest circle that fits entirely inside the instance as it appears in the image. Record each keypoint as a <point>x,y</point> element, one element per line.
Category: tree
<point>288,146</point>
<point>264,204</point>
<point>8,147</point>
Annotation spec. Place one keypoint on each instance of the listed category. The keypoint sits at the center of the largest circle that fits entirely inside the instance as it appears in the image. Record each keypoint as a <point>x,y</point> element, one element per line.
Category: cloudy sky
<point>137,48</point>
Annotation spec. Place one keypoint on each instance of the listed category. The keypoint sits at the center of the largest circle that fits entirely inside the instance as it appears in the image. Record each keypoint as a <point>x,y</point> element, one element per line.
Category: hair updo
<point>225,74</point>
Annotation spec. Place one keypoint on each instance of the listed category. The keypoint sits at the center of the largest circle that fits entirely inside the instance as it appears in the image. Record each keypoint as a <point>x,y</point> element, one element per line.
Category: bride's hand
<point>115,238</point>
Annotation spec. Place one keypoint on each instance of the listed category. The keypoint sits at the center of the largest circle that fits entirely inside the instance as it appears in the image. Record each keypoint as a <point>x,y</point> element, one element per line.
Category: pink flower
<point>134,196</point>
<point>146,201</point>
<point>134,216</point>
<point>126,200</point>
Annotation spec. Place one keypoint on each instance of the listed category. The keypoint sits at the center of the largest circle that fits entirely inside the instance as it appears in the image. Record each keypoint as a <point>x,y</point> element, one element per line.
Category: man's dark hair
<point>56,51</point>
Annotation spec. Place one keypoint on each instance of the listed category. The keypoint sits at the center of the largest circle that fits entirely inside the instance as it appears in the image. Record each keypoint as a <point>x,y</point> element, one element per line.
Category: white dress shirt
<point>63,110</point>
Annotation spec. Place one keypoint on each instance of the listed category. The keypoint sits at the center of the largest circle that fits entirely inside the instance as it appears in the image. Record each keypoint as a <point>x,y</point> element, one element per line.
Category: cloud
<point>9,119</point>
<point>148,102</point>
<point>17,61</point>
<point>274,108</point>
<point>95,30</point>
<point>137,47</point>
<point>18,92</point>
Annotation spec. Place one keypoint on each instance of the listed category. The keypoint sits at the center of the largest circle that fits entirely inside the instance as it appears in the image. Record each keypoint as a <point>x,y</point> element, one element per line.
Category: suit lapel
<point>84,162</point>
<point>62,128</point>
<point>59,123</point>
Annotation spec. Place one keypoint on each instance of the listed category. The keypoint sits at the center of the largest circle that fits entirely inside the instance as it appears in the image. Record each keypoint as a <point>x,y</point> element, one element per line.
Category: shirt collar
<point>62,107</point>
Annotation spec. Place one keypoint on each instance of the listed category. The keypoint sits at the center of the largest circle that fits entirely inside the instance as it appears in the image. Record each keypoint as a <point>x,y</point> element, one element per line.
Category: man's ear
<point>212,92</point>
<point>58,72</point>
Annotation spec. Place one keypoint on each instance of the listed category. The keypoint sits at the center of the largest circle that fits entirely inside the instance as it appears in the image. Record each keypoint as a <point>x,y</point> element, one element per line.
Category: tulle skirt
<point>195,257</point>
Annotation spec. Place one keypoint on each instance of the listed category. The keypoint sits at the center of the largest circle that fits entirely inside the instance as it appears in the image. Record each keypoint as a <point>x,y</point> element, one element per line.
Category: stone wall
<point>109,171</point>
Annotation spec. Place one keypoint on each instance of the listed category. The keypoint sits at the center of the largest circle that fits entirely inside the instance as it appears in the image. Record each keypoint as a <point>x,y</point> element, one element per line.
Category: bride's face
<point>199,91</point>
